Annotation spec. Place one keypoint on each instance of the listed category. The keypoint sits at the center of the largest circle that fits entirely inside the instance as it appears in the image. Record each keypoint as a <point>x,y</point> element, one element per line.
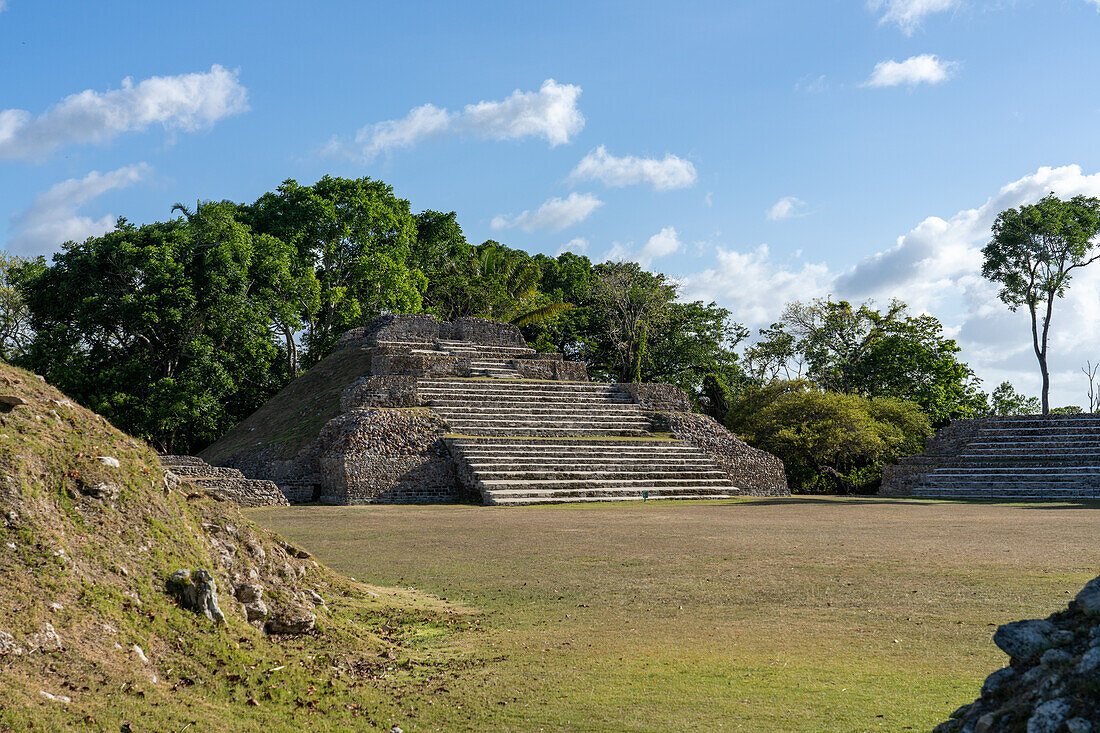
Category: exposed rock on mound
<point>97,627</point>
<point>1053,682</point>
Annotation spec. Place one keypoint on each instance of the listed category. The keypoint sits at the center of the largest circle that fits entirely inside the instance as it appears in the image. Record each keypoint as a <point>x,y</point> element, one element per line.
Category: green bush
<point>829,442</point>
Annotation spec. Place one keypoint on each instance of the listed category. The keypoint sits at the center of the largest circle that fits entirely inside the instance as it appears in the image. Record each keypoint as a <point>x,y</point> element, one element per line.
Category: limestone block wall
<point>390,456</point>
<point>568,371</point>
<point>909,473</point>
<point>384,390</point>
<point>657,397</point>
<point>755,472</point>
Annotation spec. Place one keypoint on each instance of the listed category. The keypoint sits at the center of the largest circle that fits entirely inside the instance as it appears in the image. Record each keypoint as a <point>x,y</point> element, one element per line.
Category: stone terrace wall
<point>657,397</point>
<point>755,472</point>
<point>555,369</point>
<point>386,456</point>
<point>900,479</point>
<point>423,328</point>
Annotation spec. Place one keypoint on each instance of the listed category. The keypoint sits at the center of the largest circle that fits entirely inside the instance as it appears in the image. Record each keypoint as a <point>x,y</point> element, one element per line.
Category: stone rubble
<point>1051,683</point>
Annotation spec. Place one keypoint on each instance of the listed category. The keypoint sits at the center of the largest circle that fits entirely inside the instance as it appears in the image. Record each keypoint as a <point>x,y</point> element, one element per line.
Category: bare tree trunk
<point>1041,351</point>
<point>291,351</point>
<point>1043,359</point>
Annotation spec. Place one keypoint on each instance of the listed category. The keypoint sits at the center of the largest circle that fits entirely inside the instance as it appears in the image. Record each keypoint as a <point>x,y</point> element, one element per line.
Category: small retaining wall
<point>373,455</point>
<point>755,472</point>
<point>386,390</point>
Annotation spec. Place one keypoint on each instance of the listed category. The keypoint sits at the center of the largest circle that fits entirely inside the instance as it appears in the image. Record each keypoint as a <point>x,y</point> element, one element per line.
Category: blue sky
<point>760,152</point>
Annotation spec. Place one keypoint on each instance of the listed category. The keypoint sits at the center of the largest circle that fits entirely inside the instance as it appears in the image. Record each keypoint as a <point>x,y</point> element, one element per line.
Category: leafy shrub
<point>829,442</point>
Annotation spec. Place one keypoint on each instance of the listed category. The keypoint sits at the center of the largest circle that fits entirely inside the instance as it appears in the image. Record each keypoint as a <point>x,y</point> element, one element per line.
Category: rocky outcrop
<point>196,591</point>
<point>1050,685</point>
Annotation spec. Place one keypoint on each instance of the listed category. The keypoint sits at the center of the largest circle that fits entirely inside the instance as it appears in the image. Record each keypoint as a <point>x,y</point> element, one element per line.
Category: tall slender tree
<point>1032,254</point>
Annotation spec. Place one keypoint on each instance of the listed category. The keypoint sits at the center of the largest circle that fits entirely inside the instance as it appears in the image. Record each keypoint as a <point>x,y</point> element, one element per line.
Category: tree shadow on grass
<point>819,499</point>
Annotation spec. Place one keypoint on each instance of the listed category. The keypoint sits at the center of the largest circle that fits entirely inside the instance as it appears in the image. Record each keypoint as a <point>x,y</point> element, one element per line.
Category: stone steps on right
<point>1033,457</point>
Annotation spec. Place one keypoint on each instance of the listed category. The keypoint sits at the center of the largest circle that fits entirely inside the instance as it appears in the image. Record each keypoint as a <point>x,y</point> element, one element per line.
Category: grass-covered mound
<point>91,530</point>
<point>290,420</point>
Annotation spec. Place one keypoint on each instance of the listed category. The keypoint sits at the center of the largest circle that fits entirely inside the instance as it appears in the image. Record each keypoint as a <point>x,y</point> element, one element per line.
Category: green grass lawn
<point>756,615</point>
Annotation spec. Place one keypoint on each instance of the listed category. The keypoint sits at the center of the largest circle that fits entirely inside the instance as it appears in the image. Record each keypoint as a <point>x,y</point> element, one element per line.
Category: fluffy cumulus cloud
<point>577,245</point>
<point>663,243</point>
<point>908,14</point>
<point>551,113</point>
<point>924,69</point>
<point>754,286</point>
<point>53,217</point>
<point>787,207</point>
<point>664,174</point>
<point>186,102</point>
<point>555,214</point>
<point>935,268</point>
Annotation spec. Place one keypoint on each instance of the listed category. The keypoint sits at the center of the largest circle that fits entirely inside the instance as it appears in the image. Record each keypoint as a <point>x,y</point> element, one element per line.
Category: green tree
<point>357,238</point>
<point>1033,251</point>
<point>165,328</point>
<point>15,324</point>
<point>629,303</point>
<point>1005,400</point>
<point>829,442</point>
<point>864,351</point>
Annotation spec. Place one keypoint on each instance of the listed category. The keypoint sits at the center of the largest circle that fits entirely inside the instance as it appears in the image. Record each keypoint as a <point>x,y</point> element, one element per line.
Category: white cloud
<point>812,85</point>
<point>935,268</point>
<point>908,14</point>
<point>556,214</point>
<point>663,243</point>
<point>186,102</point>
<point>52,217</point>
<point>924,69</point>
<point>420,124</point>
<point>550,113</point>
<point>4,5</point>
<point>753,286</point>
<point>578,245</point>
<point>787,207</point>
<point>666,174</point>
<point>708,200</point>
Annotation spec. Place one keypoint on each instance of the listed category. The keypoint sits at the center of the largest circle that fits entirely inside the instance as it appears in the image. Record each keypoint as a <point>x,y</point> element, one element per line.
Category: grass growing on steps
<point>86,546</point>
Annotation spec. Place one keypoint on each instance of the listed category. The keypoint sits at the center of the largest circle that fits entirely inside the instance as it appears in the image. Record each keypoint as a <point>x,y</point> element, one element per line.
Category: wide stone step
<point>712,474</point>
<point>471,385</point>
<point>1005,495</point>
<point>586,412</point>
<point>609,495</point>
<point>552,432</point>
<point>555,406</point>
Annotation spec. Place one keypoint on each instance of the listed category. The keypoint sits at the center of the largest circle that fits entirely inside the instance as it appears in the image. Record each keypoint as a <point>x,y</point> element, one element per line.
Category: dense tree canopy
<point>177,330</point>
<point>864,351</point>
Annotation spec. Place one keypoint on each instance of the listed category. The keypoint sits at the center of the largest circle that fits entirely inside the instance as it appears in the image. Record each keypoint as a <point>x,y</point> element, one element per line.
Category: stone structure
<point>227,484</point>
<point>1018,457</point>
<point>411,409</point>
<point>1051,681</point>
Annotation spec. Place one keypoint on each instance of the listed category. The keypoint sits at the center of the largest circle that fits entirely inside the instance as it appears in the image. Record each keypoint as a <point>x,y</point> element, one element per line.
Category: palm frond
<point>541,314</point>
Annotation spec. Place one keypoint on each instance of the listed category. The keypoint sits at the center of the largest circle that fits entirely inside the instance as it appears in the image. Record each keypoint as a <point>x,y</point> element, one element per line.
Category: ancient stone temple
<point>412,409</point>
<point>1012,457</point>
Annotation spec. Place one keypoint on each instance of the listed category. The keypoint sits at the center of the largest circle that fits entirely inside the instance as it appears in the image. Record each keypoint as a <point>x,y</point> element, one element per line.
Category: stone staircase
<point>227,484</point>
<point>1025,457</point>
<point>526,442</point>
